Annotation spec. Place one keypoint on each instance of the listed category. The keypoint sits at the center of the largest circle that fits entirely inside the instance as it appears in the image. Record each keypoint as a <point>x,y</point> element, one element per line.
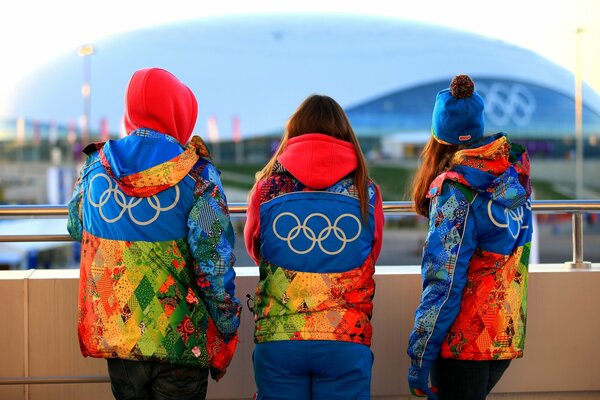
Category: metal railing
<point>575,207</point>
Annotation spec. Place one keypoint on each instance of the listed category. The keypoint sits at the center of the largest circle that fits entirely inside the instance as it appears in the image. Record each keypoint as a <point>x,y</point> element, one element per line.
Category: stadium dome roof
<point>261,67</point>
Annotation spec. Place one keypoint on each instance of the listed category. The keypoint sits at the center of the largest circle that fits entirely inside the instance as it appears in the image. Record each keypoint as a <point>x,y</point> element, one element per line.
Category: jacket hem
<point>189,363</point>
<point>302,336</point>
<point>482,357</point>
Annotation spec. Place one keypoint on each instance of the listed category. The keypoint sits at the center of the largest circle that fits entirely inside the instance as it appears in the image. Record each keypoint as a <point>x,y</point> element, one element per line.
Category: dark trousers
<point>466,380</point>
<point>137,380</point>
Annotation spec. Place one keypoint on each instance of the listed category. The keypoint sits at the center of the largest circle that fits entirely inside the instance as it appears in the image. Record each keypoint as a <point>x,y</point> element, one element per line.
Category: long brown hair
<point>322,114</point>
<point>435,159</point>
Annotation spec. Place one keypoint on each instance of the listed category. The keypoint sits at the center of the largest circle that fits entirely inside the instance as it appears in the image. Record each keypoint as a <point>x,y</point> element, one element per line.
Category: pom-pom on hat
<point>458,113</point>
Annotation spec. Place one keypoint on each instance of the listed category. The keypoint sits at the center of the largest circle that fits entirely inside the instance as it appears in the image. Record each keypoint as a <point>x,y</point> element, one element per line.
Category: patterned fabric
<point>491,322</point>
<point>133,310</point>
<point>149,299</point>
<point>211,239</point>
<point>440,300</point>
<point>491,158</point>
<point>162,176</point>
<point>293,305</point>
<point>475,262</point>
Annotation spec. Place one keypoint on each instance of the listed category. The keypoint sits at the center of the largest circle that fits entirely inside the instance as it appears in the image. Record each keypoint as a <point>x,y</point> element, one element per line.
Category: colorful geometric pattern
<point>211,238</point>
<point>476,256</point>
<point>170,300</point>
<point>491,321</point>
<point>292,305</point>
<point>500,158</point>
<point>131,309</point>
<point>162,176</point>
<point>491,158</point>
<point>446,231</point>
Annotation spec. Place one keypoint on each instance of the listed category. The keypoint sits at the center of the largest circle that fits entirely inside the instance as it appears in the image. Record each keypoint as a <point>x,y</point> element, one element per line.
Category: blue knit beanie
<point>458,113</point>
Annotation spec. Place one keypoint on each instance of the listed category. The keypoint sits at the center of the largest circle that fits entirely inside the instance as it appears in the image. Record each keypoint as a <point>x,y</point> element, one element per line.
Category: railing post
<point>577,227</point>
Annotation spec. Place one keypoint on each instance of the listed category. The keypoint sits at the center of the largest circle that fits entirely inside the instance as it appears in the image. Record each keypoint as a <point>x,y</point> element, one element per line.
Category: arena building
<point>249,74</point>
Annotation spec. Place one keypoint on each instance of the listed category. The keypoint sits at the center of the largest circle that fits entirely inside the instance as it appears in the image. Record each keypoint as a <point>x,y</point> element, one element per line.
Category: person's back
<point>495,296</point>
<point>315,228</point>
<point>156,283</point>
<point>475,191</point>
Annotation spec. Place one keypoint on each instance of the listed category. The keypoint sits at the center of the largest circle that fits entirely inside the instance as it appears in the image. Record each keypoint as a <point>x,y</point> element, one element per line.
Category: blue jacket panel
<point>304,230</point>
<point>111,214</point>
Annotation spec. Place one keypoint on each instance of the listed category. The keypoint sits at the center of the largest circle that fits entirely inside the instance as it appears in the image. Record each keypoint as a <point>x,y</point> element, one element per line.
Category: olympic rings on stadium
<point>127,205</point>
<point>310,234</point>
<point>505,103</point>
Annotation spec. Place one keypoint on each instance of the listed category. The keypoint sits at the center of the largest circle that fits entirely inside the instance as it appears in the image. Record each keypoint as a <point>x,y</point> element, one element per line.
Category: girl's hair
<point>322,114</point>
<point>435,159</point>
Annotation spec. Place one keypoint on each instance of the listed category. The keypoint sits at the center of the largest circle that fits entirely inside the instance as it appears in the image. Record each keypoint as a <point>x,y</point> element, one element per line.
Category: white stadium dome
<point>260,68</point>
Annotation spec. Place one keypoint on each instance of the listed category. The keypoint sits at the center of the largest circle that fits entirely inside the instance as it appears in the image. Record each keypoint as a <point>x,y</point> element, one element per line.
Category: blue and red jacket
<point>315,251</point>
<point>156,280</point>
<point>476,258</point>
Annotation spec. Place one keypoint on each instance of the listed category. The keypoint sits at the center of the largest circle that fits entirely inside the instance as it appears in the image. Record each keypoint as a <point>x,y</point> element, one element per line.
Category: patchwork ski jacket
<point>157,278</point>
<point>315,251</point>
<point>475,261</point>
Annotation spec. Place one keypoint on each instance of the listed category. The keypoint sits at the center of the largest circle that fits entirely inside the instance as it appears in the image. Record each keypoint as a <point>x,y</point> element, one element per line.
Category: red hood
<point>317,160</point>
<point>157,100</point>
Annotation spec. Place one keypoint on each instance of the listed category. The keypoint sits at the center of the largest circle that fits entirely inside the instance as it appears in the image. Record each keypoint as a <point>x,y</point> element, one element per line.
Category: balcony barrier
<point>576,208</point>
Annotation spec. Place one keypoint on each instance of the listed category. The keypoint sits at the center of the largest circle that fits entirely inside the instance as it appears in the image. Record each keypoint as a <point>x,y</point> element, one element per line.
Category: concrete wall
<point>562,356</point>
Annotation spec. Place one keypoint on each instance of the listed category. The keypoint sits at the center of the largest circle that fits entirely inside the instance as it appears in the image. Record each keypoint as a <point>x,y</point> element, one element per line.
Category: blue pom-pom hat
<point>458,113</point>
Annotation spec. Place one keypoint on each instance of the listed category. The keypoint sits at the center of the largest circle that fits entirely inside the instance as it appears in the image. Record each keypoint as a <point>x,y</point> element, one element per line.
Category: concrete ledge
<point>562,356</point>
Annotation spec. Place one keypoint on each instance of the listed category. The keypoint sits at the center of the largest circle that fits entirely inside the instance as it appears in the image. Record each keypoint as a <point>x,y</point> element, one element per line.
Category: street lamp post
<point>86,51</point>
<point>578,261</point>
<point>578,118</point>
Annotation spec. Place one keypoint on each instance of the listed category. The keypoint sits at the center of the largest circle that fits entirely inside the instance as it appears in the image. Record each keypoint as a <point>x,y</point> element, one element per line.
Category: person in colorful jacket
<point>475,191</point>
<point>156,287</point>
<point>314,227</point>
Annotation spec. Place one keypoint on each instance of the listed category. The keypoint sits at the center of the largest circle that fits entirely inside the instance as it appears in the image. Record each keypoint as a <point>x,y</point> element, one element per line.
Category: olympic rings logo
<point>505,103</point>
<point>317,239</point>
<point>515,215</point>
<point>127,205</point>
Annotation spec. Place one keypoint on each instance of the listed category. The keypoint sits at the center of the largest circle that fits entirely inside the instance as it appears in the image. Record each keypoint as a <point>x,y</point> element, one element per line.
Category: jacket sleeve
<point>450,243</point>
<point>74,220</point>
<point>252,227</point>
<point>211,239</point>
<point>379,222</point>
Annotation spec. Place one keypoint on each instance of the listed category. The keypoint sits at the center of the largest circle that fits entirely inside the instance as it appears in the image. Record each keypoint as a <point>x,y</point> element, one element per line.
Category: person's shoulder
<point>457,190</point>
<point>202,169</point>
<point>93,148</point>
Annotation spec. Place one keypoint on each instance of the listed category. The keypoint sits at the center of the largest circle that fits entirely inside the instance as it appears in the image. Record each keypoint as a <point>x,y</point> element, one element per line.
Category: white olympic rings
<point>127,205</point>
<point>515,215</point>
<point>309,233</point>
<point>505,103</point>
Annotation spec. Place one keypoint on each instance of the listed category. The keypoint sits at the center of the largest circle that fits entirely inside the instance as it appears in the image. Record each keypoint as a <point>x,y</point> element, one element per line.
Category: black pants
<point>137,380</point>
<point>466,380</point>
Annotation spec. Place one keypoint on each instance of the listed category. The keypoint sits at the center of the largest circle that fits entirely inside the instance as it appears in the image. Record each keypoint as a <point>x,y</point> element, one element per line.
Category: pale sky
<point>35,31</point>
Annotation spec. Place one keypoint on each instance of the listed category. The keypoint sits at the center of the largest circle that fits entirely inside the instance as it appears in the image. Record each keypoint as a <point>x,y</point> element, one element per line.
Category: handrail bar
<point>393,207</point>
<point>575,207</point>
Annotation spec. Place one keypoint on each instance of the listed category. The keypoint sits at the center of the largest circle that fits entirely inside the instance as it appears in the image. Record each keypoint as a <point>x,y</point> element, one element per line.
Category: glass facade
<point>524,110</point>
